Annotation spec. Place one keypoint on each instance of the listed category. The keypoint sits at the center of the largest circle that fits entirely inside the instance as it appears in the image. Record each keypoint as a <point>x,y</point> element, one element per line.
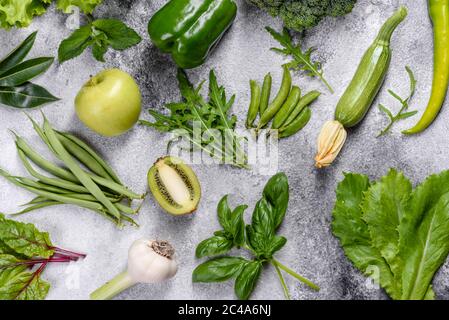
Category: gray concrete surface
<point>243,54</point>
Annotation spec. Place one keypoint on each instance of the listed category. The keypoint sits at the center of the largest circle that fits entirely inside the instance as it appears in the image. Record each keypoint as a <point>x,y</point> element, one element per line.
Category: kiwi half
<point>174,185</point>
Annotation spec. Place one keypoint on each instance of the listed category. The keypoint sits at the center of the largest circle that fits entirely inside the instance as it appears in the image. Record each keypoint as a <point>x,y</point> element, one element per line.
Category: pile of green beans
<point>289,110</point>
<point>86,180</point>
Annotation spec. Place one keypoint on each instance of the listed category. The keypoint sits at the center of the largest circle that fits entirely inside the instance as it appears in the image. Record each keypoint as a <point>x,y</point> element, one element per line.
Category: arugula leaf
<point>213,246</point>
<point>384,207</point>
<point>25,239</point>
<point>302,61</point>
<point>247,279</point>
<point>218,269</point>
<point>210,117</point>
<point>100,34</point>
<point>352,231</point>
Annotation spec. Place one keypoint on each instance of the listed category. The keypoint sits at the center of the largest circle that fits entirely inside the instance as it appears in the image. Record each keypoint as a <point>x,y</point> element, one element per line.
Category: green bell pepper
<point>189,29</point>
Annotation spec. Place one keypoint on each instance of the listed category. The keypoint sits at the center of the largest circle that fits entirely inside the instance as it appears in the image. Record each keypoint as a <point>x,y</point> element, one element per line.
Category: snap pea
<point>64,184</point>
<point>253,109</point>
<point>94,155</point>
<point>266,93</point>
<point>77,171</point>
<point>85,158</point>
<point>297,124</point>
<point>287,108</point>
<point>305,101</point>
<point>277,103</point>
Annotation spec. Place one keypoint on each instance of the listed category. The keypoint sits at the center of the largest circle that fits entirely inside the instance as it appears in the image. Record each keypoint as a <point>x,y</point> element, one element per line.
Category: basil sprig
<point>16,90</point>
<point>259,238</point>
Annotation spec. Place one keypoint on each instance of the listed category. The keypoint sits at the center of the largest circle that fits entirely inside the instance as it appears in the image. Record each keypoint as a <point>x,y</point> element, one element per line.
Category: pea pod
<point>253,109</point>
<point>287,108</point>
<point>305,101</point>
<point>277,103</point>
<point>439,13</point>
<point>299,123</point>
<point>266,93</point>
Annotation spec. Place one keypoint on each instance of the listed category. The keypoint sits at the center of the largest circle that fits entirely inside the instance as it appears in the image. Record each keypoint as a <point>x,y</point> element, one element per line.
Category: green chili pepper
<point>253,109</point>
<point>305,101</point>
<point>277,103</point>
<point>439,13</point>
<point>266,92</point>
<point>300,122</point>
<point>189,29</point>
<point>287,108</point>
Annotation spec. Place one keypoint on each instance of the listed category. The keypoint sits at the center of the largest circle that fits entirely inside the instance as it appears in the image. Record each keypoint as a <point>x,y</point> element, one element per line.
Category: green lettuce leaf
<point>19,284</point>
<point>20,13</point>
<point>86,6</point>
<point>348,225</point>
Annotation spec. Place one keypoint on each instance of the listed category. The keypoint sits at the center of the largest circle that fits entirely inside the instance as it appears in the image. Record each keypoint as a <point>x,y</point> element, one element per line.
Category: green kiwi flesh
<point>174,185</point>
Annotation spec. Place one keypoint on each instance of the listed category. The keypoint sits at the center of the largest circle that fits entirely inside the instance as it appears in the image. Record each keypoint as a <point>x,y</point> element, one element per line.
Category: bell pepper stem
<point>113,287</point>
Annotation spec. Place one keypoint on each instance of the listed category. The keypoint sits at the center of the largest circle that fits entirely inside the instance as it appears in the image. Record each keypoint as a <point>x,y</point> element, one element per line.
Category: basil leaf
<point>247,279</point>
<point>17,55</point>
<point>213,246</point>
<point>276,192</point>
<point>276,244</point>
<point>25,71</point>
<point>238,225</point>
<point>75,44</point>
<point>28,95</point>
<point>25,239</point>
<point>19,284</point>
<point>218,269</point>
<point>119,35</point>
<point>261,231</point>
<point>224,214</point>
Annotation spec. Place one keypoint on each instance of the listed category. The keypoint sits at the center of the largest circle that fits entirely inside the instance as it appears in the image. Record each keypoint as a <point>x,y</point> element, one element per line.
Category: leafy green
<point>22,247</point>
<point>259,238</point>
<point>302,60</point>
<point>206,125</point>
<point>402,232</point>
<point>15,89</point>
<point>87,6</point>
<point>402,113</point>
<point>100,34</point>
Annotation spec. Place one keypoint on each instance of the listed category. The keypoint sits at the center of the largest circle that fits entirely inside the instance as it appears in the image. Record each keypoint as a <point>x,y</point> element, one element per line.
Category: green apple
<point>109,103</point>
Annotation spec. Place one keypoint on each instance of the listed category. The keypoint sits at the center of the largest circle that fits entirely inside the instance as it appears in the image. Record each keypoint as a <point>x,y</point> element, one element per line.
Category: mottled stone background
<point>242,55</point>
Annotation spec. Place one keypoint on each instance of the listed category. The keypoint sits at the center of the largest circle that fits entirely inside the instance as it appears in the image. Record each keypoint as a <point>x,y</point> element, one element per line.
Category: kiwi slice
<point>174,185</point>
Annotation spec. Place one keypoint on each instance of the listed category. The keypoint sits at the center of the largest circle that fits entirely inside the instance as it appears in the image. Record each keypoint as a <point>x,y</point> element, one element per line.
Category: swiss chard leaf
<point>213,246</point>
<point>218,269</point>
<point>25,239</point>
<point>19,284</point>
<point>247,279</point>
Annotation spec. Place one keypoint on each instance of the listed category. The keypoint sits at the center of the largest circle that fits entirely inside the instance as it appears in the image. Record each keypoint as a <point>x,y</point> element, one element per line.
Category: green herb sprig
<point>258,238</point>
<point>402,113</point>
<point>24,253</point>
<point>302,60</point>
<point>211,117</point>
<point>16,90</point>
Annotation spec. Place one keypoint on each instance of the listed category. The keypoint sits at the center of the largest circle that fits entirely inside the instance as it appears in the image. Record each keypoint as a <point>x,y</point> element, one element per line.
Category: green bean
<point>253,109</point>
<point>266,92</point>
<point>77,171</point>
<point>277,103</point>
<point>287,108</point>
<point>115,187</point>
<point>39,131</point>
<point>125,209</point>
<point>305,101</point>
<point>44,163</point>
<point>35,200</point>
<point>83,156</point>
<point>36,207</point>
<point>64,184</point>
<point>90,151</point>
<point>40,185</point>
<point>297,124</point>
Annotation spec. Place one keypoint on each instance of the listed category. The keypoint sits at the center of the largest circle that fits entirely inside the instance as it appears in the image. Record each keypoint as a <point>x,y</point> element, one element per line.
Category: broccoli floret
<point>303,14</point>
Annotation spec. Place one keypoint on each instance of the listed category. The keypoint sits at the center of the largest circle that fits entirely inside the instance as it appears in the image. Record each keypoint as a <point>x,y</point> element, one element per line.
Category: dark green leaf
<point>75,44</point>
<point>218,269</point>
<point>119,35</point>
<point>213,246</point>
<point>238,225</point>
<point>25,239</point>
<point>25,71</point>
<point>18,54</point>
<point>28,95</point>
<point>276,244</point>
<point>276,192</point>
<point>99,51</point>
<point>247,279</point>
<point>224,214</point>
